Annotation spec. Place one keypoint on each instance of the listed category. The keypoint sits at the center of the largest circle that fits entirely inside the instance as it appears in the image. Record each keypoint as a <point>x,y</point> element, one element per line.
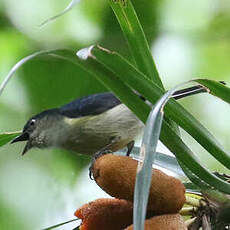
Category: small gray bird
<point>88,125</point>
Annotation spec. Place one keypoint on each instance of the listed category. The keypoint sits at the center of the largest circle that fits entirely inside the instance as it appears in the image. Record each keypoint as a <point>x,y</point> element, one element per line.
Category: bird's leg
<point>130,146</point>
<point>106,149</point>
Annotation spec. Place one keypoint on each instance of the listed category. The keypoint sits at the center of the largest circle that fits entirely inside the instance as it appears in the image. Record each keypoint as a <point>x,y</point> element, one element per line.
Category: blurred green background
<point>188,39</point>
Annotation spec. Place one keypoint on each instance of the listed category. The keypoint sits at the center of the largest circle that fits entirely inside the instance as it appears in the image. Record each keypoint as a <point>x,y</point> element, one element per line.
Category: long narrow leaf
<point>135,79</point>
<point>148,152</point>
<point>186,156</point>
<point>7,137</point>
<point>18,65</point>
<point>162,160</point>
<point>144,169</point>
<point>138,44</point>
<point>136,39</point>
<point>190,164</point>
<point>194,178</point>
<point>67,9</point>
<point>112,82</point>
<point>59,225</point>
<point>216,88</point>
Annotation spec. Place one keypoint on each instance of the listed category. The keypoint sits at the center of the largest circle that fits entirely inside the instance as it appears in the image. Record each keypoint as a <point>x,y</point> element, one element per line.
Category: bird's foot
<point>94,158</point>
<point>130,147</point>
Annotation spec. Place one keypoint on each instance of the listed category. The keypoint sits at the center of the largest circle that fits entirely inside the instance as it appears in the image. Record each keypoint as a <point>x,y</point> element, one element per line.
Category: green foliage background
<point>188,40</point>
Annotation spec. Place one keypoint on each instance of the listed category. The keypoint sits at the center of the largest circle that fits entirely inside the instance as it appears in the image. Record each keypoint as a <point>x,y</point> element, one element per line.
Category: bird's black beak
<point>23,137</point>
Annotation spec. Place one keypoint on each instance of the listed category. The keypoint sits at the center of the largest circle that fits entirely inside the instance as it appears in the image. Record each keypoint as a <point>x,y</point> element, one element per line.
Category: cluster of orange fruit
<point>116,175</point>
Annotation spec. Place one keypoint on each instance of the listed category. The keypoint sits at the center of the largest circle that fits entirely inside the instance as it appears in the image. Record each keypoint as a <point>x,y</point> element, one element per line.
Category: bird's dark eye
<point>32,122</point>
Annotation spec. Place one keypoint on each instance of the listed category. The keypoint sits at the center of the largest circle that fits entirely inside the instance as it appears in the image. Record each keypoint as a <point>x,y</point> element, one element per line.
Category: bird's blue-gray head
<point>39,130</point>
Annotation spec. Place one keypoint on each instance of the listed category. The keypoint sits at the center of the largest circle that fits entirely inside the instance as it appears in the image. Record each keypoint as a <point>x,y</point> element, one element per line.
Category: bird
<point>92,124</point>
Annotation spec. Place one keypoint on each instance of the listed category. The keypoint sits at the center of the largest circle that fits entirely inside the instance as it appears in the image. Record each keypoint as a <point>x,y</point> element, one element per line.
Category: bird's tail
<point>191,91</point>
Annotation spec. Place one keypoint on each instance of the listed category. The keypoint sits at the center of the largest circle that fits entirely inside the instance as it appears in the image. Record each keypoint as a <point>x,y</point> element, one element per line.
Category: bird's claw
<point>94,158</point>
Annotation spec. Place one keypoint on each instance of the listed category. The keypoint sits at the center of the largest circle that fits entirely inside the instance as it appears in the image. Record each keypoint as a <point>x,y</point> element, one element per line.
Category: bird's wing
<point>90,105</point>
